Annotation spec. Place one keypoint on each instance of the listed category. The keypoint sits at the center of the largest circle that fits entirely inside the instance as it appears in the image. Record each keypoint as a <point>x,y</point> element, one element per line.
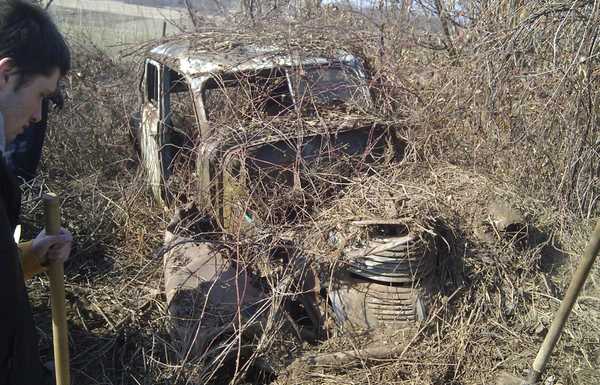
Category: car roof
<point>196,57</point>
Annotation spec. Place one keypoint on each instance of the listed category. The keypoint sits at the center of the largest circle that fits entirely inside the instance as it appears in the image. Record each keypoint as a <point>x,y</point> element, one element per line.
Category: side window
<point>151,83</point>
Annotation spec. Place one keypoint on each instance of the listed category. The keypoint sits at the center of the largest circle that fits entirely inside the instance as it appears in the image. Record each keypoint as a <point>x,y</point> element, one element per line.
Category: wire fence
<point>112,25</point>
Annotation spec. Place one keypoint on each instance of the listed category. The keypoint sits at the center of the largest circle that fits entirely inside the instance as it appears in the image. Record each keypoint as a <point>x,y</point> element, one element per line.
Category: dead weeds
<point>509,112</point>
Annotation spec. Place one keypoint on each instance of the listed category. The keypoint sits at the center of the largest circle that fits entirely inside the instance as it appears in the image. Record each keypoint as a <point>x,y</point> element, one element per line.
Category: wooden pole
<point>589,257</point>
<point>57,290</point>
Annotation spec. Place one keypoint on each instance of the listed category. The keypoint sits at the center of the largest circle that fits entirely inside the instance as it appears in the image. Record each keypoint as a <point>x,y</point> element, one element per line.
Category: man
<point>23,155</point>
<point>33,56</point>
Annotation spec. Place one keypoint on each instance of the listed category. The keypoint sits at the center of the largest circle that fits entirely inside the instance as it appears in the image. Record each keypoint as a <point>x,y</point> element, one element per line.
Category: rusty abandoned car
<point>252,143</point>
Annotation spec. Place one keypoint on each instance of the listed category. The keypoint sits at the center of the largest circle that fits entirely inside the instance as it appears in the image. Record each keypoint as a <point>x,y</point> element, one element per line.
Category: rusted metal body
<point>503,222</point>
<point>208,296</point>
<point>235,160</point>
<point>505,218</point>
<point>181,66</point>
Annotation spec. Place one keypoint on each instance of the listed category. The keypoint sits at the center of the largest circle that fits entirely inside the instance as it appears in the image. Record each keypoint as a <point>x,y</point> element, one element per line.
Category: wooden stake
<point>57,290</point>
<point>587,262</point>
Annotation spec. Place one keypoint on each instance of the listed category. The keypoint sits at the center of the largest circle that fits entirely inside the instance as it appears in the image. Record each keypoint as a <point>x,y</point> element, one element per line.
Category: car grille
<point>383,284</point>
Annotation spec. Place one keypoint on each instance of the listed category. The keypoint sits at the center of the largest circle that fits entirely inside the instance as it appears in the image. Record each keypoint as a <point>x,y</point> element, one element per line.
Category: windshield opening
<point>248,96</point>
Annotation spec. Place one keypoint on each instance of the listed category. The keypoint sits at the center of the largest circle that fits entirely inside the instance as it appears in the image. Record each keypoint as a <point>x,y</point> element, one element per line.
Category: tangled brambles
<point>498,180</point>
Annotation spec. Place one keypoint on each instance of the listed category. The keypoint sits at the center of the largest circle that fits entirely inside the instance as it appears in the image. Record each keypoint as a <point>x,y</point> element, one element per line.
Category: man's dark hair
<point>31,39</point>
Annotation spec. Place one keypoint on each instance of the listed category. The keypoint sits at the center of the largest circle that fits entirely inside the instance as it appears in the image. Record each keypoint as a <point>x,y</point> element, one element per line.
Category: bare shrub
<point>492,104</point>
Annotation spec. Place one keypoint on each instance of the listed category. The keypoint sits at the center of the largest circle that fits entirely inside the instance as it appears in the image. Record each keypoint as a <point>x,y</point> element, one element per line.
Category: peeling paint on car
<point>196,62</point>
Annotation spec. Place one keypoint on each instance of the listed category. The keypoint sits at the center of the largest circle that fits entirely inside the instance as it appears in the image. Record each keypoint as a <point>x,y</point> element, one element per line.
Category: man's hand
<point>53,248</point>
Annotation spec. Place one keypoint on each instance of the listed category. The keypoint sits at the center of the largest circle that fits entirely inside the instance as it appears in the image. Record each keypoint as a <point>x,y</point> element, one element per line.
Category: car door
<point>154,155</point>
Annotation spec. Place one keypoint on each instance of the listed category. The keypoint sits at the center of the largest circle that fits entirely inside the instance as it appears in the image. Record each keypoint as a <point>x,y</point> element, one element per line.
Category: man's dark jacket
<point>19,356</point>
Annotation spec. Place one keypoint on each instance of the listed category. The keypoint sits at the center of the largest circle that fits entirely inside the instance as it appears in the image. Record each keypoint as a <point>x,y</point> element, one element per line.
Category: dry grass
<point>509,112</point>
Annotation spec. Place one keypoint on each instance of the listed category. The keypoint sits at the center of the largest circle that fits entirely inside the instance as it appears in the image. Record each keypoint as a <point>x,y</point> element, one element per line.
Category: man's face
<point>23,106</point>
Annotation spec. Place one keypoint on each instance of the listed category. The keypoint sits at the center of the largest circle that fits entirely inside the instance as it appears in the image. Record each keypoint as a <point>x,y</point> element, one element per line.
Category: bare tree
<point>191,13</point>
<point>445,27</point>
